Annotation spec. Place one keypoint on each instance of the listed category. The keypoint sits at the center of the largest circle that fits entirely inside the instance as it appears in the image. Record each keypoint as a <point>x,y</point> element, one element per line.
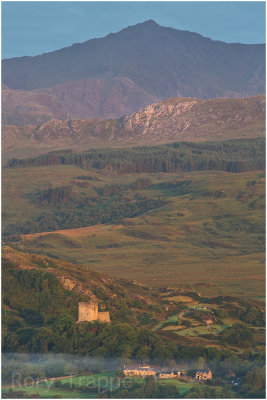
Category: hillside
<point>21,107</point>
<point>74,282</point>
<point>55,286</point>
<point>172,120</point>
<point>102,97</point>
<point>165,327</point>
<point>150,226</point>
<point>88,98</point>
<point>122,72</point>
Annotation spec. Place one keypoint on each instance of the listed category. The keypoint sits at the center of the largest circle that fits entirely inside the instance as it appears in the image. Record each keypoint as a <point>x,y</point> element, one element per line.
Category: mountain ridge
<point>82,99</point>
<point>174,119</point>
<point>163,62</point>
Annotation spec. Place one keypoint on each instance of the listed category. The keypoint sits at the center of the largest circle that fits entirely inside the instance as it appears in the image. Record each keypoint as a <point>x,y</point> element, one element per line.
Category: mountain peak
<point>162,61</point>
<point>149,22</point>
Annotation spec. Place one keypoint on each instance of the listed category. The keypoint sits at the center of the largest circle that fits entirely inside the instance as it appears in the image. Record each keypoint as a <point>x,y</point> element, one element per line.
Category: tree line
<point>232,156</point>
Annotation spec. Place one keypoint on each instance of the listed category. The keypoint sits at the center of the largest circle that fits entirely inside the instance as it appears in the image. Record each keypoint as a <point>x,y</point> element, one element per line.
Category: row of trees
<point>232,156</point>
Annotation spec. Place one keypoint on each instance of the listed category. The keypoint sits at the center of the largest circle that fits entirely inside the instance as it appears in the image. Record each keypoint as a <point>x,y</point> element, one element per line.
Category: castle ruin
<point>89,312</point>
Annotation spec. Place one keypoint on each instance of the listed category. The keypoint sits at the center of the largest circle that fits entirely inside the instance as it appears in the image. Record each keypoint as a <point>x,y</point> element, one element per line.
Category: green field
<point>46,389</point>
<point>101,381</point>
<point>84,380</point>
<point>182,386</point>
<point>47,393</point>
<point>201,330</point>
<point>194,235</point>
<point>171,319</point>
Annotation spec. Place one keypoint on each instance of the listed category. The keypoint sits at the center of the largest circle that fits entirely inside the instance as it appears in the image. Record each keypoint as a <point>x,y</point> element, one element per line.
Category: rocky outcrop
<point>85,282</point>
<point>175,119</point>
<point>73,286</point>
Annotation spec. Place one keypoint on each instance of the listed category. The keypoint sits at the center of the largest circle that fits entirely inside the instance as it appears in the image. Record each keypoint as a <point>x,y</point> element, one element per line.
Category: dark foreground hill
<point>175,119</point>
<point>122,72</point>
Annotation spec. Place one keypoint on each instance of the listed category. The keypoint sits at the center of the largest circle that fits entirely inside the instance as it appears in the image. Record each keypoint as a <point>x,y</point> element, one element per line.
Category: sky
<point>32,28</point>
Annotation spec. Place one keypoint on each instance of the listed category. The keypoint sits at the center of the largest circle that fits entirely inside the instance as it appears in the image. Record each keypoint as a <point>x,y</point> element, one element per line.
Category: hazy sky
<point>31,28</point>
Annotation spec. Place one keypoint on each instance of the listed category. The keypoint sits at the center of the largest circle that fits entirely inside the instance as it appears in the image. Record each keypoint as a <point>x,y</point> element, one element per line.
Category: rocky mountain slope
<point>175,119</point>
<point>102,98</point>
<point>122,72</point>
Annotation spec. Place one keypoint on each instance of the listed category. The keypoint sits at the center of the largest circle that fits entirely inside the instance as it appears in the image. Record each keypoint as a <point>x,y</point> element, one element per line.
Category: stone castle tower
<point>89,312</point>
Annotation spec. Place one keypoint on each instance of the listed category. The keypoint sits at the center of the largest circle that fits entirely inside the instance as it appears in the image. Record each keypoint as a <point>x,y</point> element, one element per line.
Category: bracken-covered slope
<point>149,61</point>
<point>175,119</point>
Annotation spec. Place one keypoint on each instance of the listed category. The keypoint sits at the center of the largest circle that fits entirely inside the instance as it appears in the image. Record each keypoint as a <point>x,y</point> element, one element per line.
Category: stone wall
<point>88,311</point>
<point>104,316</point>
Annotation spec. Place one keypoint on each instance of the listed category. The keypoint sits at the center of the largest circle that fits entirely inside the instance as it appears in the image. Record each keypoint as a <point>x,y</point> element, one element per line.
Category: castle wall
<point>88,312</point>
<point>104,316</point>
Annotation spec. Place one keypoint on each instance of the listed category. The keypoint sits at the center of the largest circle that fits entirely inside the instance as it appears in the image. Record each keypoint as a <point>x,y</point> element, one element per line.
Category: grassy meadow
<point>206,232</point>
<point>78,386</point>
<point>55,388</point>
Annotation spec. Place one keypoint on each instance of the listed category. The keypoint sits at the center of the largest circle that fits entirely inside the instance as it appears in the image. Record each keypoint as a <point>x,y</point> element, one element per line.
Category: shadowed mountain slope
<point>148,62</point>
<point>88,98</point>
<point>21,107</point>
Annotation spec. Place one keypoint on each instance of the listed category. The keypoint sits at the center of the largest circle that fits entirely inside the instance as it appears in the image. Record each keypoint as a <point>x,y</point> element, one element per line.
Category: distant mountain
<point>88,98</point>
<point>175,119</point>
<point>20,107</point>
<point>122,72</point>
<point>102,98</point>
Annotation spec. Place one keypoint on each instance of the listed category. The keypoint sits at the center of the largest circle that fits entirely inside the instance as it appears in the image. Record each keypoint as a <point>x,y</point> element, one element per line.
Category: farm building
<point>175,374</point>
<point>140,371</point>
<point>203,375</point>
<point>158,373</point>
